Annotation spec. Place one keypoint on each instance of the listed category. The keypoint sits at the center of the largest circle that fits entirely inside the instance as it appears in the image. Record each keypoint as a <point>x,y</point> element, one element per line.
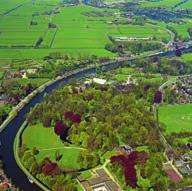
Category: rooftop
<point>100,182</point>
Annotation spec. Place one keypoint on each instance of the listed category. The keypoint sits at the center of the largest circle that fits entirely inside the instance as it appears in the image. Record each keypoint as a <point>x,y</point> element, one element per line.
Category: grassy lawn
<point>48,143</point>
<point>187,57</point>
<point>177,118</point>
<point>34,82</point>
<point>1,74</point>
<point>153,80</point>
<point>86,174</point>
<point>120,77</point>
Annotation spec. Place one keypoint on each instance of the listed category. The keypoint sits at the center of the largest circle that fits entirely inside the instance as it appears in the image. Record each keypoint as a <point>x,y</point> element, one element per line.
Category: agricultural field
<point>186,5</point>
<point>182,28</point>
<point>9,5</point>
<point>75,33</point>
<point>177,118</point>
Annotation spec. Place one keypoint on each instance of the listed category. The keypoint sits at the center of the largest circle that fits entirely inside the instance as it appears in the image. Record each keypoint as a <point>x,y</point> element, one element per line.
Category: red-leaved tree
<point>128,163</point>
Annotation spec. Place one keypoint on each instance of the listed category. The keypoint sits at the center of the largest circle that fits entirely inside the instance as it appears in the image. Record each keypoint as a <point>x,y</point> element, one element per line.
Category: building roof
<point>102,181</point>
<point>99,81</point>
<point>179,162</point>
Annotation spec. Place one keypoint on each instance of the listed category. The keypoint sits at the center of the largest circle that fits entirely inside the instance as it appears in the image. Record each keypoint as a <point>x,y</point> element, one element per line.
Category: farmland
<point>75,34</point>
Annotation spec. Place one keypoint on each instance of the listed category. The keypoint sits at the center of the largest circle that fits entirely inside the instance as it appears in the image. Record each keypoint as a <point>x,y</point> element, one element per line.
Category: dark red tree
<point>50,169</point>
<point>128,163</point>
<point>75,118</point>
<point>147,87</point>
<point>158,97</point>
<point>60,128</point>
<point>68,115</point>
<point>178,53</point>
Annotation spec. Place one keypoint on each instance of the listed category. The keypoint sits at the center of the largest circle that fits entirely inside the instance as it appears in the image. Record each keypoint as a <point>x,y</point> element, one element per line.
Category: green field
<point>48,143</point>
<point>187,57</point>
<point>76,34</point>
<point>182,28</point>
<point>177,118</point>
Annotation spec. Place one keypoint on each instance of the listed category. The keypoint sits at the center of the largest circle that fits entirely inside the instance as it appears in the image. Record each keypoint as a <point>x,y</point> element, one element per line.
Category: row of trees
<point>135,47</point>
<point>57,63</point>
<point>165,66</point>
<point>4,112</point>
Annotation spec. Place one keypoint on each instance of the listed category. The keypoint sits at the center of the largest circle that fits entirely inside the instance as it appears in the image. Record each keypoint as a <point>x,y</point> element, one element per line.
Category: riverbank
<point>17,144</point>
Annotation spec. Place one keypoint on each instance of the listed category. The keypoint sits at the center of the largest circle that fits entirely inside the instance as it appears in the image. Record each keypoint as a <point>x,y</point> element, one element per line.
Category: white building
<point>99,81</point>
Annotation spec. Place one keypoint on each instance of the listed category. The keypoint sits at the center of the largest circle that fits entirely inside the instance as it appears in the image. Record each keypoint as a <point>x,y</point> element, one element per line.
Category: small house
<point>179,163</point>
<point>187,157</point>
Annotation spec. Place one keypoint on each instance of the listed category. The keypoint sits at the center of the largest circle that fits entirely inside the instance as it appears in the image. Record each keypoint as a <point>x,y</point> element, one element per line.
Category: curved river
<point>8,134</point>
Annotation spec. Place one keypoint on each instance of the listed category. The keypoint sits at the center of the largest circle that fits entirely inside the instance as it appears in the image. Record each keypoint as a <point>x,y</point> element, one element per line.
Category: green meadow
<point>48,143</point>
<point>177,118</point>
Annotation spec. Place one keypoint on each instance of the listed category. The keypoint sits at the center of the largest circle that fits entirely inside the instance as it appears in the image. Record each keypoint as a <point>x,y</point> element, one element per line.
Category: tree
<point>88,160</point>
<point>178,53</point>
<point>1,164</point>
<point>58,156</point>
<point>60,128</point>
<point>35,151</point>
<point>39,41</point>
<point>158,97</point>
<point>47,119</point>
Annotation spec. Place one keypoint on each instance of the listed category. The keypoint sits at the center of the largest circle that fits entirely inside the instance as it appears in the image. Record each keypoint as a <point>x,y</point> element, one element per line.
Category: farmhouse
<point>186,170</point>
<point>100,182</point>
<point>187,157</point>
<point>31,71</point>
<point>126,148</point>
<point>125,39</point>
<point>4,99</point>
<point>179,163</point>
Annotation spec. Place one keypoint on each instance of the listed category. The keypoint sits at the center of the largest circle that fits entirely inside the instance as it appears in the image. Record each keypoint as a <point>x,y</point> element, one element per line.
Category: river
<point>8,134</point>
